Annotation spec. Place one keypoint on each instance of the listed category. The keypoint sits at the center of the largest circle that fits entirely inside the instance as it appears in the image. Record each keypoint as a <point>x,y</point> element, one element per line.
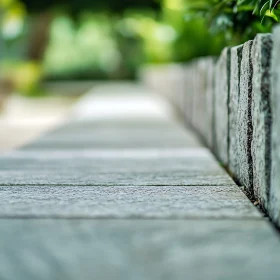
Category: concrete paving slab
<point>110,249</point>
<point>110,137</point>
<point>107,178</point>
<point>109,143</point>
<point>117,167</point>
<point>133,202</point>
<point>137,194</point>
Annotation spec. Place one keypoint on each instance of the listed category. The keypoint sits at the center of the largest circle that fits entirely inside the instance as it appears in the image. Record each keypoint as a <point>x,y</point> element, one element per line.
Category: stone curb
<point>234,106</point>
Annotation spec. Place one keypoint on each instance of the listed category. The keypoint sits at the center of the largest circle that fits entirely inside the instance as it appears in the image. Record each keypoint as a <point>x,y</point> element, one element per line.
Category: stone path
<point>23,119</point>
<point>122,191</point>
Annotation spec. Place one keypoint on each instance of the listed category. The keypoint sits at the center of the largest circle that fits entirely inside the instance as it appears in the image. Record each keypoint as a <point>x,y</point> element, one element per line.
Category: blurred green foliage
<point>237,20</point>
<point>102,45</point>
<point>192,38</point>
<point>110,39</point>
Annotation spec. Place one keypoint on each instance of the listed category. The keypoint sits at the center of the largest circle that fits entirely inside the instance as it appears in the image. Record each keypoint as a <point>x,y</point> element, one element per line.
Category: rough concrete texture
<point>244,120</point>
<point>274,203</point>
<point>118,160</point>
<point>261,117</point>
<point>234,94</point>
<point>147,189</point>
<point>221,94</point>
<point>138,249</point>
<point>163,202</point>
<point>120,173</point>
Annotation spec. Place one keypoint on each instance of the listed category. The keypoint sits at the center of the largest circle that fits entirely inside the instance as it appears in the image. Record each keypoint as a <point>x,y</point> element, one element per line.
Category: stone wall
<point>233,103</point>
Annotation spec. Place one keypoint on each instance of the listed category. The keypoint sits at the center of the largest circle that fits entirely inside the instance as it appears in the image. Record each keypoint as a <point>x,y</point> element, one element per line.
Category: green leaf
<point>266,4</point>
<point>272,15</point>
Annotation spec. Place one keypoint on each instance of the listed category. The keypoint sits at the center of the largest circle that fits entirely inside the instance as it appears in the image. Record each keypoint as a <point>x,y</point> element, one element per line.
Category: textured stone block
<point>117,138</point>
<point>33,249</point>
<point>189,93</point>
<point>117,167</point>
<point>114,134</point>
<point>203,99</point>
<point>125,202</point>
<point>234,95</point>
<point>261,117</point>
<point>196,97</point>
<point>244,120</point>
<point>209,96</point>
<point>221,94</point>
<point>274,203</point>
<point>199,96</point>
<point>179,89</point>
<point>184,87</point>
<point>175,84</point>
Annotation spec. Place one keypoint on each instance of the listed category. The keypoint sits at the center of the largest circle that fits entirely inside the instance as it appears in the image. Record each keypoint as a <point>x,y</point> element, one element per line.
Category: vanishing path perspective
<point>123,191</point>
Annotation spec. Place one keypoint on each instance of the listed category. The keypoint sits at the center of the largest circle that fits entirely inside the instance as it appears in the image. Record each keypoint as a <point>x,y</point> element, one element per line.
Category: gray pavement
<point>123,191</point>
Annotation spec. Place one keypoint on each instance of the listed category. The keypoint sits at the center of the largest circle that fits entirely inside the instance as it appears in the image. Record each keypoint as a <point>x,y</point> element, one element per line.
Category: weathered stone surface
<point>109,144</point>
<point>174,84</point>
<point>209,110</point>
<point>112,167</point>
<point>113,160</point>
<point>195,96</point>
<point>142,249</point>
<point>199,112</point>
<point>274,203</point>
<point>122,142</point>
<point>189,93</point>
<point>184,96</point>
<point>190,155</point>
<point>118,134</point>
<point>198,92</point>
<point>178,178</point>
<point>89,167</point>
<point>235,72</point>
<point>261,117</point>
<point>244,121</point>
<point>134,123</point>
<point>120,137</point>
<point>132,184</point>
<point>167,202</point>
<point>221,94</point>
<point>179,88</point>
